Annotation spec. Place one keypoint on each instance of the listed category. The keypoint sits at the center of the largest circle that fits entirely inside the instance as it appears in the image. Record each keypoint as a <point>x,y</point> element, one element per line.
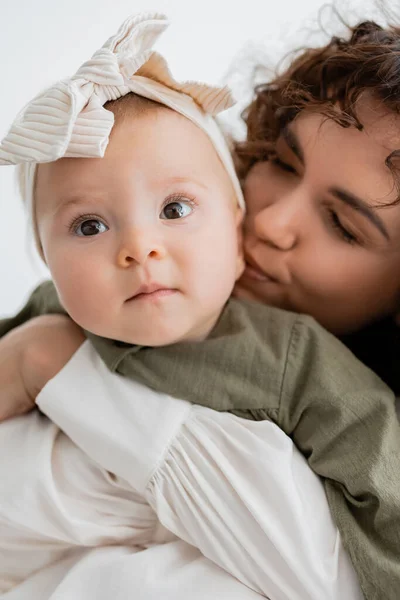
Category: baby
<point>139,224</point>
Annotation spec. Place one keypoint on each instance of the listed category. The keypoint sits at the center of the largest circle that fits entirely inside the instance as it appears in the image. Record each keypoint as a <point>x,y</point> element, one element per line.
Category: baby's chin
<point>157,340</point>
<point>153,339</point>
<point>155,328</point>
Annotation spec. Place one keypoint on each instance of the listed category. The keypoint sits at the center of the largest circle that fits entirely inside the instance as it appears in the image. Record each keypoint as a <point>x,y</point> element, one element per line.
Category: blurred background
<point>209,40</point>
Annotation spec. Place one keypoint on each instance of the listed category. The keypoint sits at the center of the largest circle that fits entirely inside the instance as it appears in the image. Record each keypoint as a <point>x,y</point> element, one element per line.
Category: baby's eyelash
<point>76,221</point>
<point>181,197</point>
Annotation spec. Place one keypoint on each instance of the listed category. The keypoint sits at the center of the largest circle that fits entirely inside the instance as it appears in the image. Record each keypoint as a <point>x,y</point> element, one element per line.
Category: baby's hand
<point>30,356</point>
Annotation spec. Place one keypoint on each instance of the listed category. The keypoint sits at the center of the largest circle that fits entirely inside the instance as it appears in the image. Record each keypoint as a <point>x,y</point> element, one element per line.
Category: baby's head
<point>140,231</point>
<point>142,244</point>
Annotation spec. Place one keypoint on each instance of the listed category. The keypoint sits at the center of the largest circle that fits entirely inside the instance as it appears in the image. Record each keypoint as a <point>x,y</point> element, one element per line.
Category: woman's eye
<point>90,227</point>
<point>344,233</point>
<point>176,210</point>
<point>282,165</point>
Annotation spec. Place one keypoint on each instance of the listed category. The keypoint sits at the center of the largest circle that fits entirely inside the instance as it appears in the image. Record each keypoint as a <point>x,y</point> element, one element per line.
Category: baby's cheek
<point>72,291</point>
<point>72,298</point>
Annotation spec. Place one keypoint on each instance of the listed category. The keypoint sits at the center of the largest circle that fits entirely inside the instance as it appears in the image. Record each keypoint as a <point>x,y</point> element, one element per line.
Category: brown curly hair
<point>325,79</point>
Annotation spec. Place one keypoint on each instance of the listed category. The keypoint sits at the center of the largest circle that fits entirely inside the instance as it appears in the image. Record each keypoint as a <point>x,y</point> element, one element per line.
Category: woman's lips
<point>256,274</point>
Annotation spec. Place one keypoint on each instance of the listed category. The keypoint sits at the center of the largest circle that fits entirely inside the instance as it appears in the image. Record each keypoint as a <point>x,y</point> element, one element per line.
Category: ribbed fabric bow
<point>68,119</point>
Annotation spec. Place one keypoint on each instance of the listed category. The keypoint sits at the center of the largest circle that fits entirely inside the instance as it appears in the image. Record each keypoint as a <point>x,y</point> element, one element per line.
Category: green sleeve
<point>43,300</point>
<point>342,418</point>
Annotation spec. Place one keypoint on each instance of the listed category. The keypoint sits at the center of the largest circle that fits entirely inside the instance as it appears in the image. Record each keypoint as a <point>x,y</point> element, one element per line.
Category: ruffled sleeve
<point>238,490</point>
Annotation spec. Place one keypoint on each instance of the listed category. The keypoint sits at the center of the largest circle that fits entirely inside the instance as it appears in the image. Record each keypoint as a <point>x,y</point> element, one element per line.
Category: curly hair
<point>325,79</point>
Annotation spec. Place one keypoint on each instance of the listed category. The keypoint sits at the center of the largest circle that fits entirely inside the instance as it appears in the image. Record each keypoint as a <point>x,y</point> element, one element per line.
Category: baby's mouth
<point>153,291</point>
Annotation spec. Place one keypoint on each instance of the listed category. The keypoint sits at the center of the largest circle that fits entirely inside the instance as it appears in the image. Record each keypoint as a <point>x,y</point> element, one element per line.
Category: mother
<point>322,186</point>
<point>320,157</point>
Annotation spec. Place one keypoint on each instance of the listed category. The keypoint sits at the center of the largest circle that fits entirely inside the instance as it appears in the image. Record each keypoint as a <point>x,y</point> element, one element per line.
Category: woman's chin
<point>241,292</point>
<point>269,294</point>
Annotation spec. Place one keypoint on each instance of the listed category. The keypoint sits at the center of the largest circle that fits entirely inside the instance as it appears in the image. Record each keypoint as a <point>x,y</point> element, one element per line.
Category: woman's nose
<point>279,224</point>
<point>138,246</point>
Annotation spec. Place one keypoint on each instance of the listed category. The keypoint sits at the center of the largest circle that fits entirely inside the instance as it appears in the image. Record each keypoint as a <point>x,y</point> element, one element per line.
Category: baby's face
<point>142,244</point>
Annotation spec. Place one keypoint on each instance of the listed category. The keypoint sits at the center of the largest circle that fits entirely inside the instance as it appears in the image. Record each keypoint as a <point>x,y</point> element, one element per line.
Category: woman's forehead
<point>335,161</point>
<point>379,124</point>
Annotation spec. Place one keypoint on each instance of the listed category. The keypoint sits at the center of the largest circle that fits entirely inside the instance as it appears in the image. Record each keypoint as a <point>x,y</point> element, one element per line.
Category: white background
<point>42,41</point>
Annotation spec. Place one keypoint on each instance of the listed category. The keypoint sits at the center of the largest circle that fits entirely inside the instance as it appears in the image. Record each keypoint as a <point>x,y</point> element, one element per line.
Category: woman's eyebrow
<point>346,197</point>
<point>362,207</point>
<point>293,142</point>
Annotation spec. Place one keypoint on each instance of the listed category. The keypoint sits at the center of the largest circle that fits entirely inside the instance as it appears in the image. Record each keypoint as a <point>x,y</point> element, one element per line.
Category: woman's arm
<point>342,417</point>
<point>53,497</point>
<point>30,355</point>
<point>238,490</point>
<point>54,500</point>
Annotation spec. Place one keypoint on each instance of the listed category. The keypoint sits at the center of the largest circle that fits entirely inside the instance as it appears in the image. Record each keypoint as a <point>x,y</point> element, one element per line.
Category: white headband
<point>68,119</point>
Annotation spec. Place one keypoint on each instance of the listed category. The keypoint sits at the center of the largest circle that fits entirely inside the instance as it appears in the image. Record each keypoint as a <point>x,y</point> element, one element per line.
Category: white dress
<point>237,490</point>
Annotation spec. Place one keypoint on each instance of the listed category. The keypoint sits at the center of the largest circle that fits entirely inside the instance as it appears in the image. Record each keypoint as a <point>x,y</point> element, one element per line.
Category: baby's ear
<point>240,258</point>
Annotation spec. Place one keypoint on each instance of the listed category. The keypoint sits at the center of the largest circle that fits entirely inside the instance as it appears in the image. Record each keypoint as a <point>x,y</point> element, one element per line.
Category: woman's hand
<point>30,356</point>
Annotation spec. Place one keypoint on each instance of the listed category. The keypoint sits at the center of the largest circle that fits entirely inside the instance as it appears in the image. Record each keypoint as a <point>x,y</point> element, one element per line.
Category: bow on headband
<point>68,119</point>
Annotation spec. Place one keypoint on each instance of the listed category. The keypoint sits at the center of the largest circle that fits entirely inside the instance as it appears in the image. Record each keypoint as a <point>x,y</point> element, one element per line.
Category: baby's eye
<point>90,227</point>
<point>176,210</point>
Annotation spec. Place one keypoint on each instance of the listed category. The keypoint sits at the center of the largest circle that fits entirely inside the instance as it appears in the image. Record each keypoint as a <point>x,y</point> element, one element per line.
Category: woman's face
<point>314,240</point>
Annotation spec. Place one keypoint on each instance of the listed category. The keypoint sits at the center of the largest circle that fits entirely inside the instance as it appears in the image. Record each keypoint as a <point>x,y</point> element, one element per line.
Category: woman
<point>323,140</point>
<point>321,182</point>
